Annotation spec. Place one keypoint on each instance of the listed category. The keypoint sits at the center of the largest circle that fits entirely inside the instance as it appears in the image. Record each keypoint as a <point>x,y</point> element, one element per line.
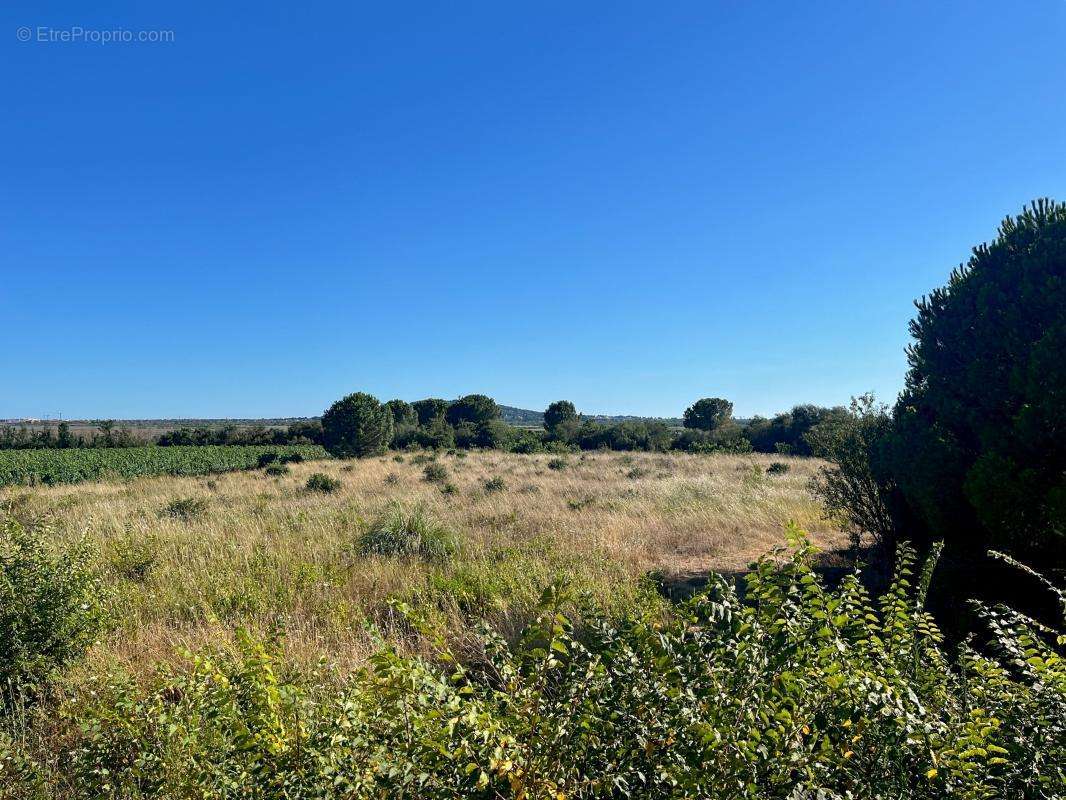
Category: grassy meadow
<point>187,561</point>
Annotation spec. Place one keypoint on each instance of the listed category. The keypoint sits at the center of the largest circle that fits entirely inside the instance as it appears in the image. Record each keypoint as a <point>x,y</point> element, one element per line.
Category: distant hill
<point>521,416</point>
<point>525,416</point>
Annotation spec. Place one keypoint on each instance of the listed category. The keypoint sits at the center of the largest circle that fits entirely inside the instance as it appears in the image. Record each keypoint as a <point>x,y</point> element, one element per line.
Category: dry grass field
<point>247,550</point>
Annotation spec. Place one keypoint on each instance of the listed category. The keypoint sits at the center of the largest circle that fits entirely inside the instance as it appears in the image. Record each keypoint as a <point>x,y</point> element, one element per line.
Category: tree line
<point>360,425</point>
<point>474,421</point>
<point>107,434</point>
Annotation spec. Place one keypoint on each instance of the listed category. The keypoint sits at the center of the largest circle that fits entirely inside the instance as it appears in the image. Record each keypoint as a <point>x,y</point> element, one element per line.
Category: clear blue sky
<point>631,205</point>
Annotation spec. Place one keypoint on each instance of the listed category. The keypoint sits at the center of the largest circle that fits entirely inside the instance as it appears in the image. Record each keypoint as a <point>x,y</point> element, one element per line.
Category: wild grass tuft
<point>402,532</point>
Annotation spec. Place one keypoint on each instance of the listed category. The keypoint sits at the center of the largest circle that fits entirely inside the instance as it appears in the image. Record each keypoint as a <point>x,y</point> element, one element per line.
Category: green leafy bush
<point>788,690</point>
<point>856,488</point>
<point>277,470</point>
<point>494,485</point>
<point>557,464</point>
<point>527,441</point>
<point>408,532</point>
<point>435,473</point>
<point>777,468</point>
<point>320,482</point>
<point>786,434</point>
<point>134,557</point>
<point>50,608</point>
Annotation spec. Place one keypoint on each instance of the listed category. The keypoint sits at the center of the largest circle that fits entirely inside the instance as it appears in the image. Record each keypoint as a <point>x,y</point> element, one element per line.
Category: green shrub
<point>266,459</point>
<point>403,532</point>
<point>777,468</point>
<point>392,478</point>
<point>449,489</point>
<point>50,608</point>
<point>557,463</point>
<point>466,434</point>
<point>292,458</point>
<point>277,470</point>
<point>435,473</point>
<point>320,482</point>
<point>187,508</point>
<point>133,557</point>
<point>637,473</point>
<point>785,690</point>
<point>494,485</point>
<point>580,503</point>
<point>495,434</point>
<point>786,434</point>
<point>527,441</point>
<point>856,488</point>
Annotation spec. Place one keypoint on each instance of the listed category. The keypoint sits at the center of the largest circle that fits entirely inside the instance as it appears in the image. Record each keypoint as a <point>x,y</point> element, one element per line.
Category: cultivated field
<point>247,550</point>
<point>51,466</point>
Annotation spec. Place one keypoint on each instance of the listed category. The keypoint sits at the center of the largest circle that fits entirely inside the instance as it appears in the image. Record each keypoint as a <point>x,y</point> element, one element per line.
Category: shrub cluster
<point>50,609</point>
<point>308,431</point>
<point>787,690</point>
<point>24,437</point>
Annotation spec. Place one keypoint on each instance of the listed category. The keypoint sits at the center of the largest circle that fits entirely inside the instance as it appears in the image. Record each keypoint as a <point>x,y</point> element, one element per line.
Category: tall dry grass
<point>264,553</point>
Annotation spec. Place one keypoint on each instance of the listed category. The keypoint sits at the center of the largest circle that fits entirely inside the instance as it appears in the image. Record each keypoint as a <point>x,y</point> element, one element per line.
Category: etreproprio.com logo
<point>77,34</point>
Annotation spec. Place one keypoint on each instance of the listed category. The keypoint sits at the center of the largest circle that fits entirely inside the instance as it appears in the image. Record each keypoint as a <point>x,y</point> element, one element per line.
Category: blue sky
<point>630,205</point>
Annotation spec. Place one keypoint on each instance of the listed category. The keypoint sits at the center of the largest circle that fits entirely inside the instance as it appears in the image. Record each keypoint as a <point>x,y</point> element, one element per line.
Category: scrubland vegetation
<point>499,612</point>
<point>245,549</point>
